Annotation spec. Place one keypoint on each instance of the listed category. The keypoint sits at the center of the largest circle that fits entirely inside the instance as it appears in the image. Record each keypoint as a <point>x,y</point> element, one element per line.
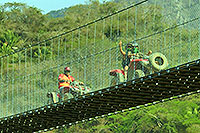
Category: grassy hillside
<point>181,115</point>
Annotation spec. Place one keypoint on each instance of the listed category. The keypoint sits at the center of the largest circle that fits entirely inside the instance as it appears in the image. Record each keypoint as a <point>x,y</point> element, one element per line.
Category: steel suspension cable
<point>31,83</point>
<point>44,76</point>
<point>13,82</point>
<point>25,81</point>
<point>79,54</point>
<point>171,45</point>
<point>71,51</point>
<point>38,79</point>
<point>58,56</point>
<point>98,80</point>
<point>118,38</point>
<point>18,87</point>
<point>35,89</point>
<point>180,40</point>
<point>93,58</point>
<point>135,25</point>
<point>86,53</point>
<point>85,71</point>
<point>103,39</point>
<point>110,54</point>
<point>135,36</point>
<point>189,47</point>
<point>199,36</point>
<point>28,92</point>
<point>2,99</point>
<point>127,40</point>
<point>127,25</point>
<point>145,33</point>
<point>51,63</point>
<point>153,37</point>
<point>7,105</point>
<point>173,42</point>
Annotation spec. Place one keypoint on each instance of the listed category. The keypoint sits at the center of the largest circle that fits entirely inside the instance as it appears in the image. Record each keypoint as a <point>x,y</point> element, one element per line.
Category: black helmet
<point>134,44</point>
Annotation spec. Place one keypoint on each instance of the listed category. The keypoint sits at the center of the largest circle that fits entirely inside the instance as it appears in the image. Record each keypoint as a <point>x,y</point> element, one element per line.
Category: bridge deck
<point>172,82</point>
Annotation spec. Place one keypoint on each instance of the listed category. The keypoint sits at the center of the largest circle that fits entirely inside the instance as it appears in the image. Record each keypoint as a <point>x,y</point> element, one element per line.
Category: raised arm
<point>120,48</point>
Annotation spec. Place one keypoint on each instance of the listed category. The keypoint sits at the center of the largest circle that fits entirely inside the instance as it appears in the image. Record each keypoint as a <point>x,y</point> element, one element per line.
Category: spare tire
<point>158,61</point>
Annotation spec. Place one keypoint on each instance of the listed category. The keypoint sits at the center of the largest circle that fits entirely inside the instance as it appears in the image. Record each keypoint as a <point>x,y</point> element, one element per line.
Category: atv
<point>74,90</point>
<point>139,67</point>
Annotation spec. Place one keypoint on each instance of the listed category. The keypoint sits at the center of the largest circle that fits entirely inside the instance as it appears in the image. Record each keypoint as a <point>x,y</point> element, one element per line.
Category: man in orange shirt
<point>64,81</point>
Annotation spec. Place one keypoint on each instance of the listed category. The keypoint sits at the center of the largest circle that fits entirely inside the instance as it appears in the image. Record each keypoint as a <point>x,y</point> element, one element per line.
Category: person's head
<point>133,46</point>
<point>66,70</point>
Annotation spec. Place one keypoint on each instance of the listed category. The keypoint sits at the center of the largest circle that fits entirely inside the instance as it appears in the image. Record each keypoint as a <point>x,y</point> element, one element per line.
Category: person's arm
<point>121,50</point>
<point>60,79</point>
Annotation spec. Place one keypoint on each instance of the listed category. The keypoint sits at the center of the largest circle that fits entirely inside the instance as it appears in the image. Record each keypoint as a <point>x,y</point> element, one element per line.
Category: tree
<point>8,42</point>
<point>25,21</point>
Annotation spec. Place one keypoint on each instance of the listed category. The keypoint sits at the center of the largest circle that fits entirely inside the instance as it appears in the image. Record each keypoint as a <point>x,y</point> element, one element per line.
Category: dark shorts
<point>125,62</point>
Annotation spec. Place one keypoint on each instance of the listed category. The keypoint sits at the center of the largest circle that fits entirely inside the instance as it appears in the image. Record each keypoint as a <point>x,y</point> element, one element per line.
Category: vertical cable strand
<point>13,83</point>
<point>2,85</point>
<point>93,57</point>
<point>104,64</point>
<point>7,80</point>
<point>79,54</point>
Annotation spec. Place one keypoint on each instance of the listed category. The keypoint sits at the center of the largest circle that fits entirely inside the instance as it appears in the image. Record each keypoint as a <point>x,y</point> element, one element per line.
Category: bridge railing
<point>92,50</point>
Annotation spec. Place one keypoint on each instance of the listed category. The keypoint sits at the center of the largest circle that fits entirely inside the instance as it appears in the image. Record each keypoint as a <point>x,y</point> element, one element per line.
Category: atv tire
<point>119,78</point>
<point>52,97</point>
<point>139,73</point>
<point>158,61</point>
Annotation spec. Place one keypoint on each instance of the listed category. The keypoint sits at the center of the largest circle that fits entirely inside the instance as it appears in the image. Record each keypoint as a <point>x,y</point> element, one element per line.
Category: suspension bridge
<point>92,51</point>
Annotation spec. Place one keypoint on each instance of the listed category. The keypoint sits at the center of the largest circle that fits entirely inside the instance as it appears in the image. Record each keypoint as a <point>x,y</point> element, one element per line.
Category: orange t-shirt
<point>67,80</point>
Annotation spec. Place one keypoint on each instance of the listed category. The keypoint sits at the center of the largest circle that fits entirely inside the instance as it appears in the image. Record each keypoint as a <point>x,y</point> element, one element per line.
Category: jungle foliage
<point>171,117</point>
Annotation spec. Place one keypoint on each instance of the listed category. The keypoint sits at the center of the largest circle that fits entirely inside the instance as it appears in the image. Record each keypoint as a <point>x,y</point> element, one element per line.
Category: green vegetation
<point>175,116</point>
<point>22,25</point>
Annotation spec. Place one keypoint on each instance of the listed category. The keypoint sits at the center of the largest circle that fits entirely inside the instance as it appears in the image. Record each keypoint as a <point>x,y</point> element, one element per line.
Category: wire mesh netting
<point>92,51</point>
